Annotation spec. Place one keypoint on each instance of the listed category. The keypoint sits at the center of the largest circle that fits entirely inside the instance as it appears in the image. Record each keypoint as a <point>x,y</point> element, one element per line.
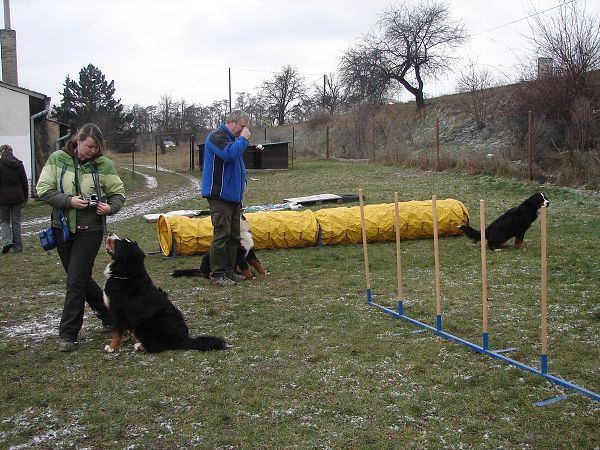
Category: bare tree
<point>195,118</point>
<point>413,44</point>
<point>143,118</point>
<point>479,100</point>
<point>242,101</point>
<point>217,112</point>
<point>282,93</point>
<point>362,79</point>
<point>166,114</point>
<point>571,38</point>
<point>329,95</point>
<point>563,99</point>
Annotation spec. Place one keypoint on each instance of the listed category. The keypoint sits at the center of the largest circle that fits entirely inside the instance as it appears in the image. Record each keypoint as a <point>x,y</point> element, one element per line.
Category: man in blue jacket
<point>223,183</point>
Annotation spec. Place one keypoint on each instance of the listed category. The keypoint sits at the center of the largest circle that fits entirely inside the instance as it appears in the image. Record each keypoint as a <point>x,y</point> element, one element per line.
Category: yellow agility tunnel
<point>179,235</point>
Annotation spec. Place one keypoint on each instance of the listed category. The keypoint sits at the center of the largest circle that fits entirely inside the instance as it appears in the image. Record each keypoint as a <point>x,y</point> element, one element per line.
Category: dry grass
<point>312,365</point>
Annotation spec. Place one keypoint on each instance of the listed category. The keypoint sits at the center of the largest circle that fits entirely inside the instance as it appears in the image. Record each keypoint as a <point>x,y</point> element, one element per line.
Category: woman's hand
<point>103,209</point>
<point>78,203</point>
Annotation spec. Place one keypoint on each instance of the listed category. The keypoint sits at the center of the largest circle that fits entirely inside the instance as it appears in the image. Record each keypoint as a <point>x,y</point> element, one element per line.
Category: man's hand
<point>246,134</point>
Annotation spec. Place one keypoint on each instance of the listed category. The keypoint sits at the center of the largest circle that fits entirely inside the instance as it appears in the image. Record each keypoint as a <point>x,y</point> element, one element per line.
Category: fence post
<point>530,145</point>
<point>327,145</point>
<point>373,140</point>
<point>437,144</point>
<point>156,153</point>
<point>192,159</point>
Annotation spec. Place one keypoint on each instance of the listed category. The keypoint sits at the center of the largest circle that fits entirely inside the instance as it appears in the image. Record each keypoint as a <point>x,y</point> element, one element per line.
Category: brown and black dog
<point>138,307</point>
<point>246,257</point>
<point>513,223</point>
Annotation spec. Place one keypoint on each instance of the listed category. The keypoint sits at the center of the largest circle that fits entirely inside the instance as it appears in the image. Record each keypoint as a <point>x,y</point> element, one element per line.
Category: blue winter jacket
<point>224,171</point>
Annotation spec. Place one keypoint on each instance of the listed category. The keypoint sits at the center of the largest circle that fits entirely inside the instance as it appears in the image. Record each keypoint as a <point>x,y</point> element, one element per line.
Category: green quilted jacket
<point>60,164</point>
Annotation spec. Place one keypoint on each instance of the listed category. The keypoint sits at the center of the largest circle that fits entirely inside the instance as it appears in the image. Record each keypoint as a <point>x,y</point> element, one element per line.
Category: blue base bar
<point>551,400</point>
<point>544,363</point>
<point>559,381</point>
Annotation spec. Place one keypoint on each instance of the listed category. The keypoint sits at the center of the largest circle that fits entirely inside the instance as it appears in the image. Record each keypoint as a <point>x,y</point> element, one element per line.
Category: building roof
<point>37,101</point>
<point>22,90</point>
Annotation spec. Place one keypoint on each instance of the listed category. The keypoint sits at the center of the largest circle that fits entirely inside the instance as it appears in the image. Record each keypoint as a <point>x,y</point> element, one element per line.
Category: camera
<point>92,199</point>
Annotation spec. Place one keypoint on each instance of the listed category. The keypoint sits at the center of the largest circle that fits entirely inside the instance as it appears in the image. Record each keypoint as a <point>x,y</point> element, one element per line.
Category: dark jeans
<point>225,218</point>
<point>78,255</point>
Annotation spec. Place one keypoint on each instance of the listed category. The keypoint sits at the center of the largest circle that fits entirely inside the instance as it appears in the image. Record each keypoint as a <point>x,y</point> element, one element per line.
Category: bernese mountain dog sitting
<point>245,258</point>
<point>138,307</point>
<point>513,223</point>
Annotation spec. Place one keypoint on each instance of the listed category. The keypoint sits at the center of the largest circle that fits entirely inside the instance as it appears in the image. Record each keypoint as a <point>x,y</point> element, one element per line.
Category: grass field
<point>312,365</point>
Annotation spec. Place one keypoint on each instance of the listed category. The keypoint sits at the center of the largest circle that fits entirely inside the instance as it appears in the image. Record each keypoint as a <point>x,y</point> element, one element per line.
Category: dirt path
<point>136,206</point>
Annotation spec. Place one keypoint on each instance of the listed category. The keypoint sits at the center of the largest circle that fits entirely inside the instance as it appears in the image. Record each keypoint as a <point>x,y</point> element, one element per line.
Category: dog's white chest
<point>246,240</point>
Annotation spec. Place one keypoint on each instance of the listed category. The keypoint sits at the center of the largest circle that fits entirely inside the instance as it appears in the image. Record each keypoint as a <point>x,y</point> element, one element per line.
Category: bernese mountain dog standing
<point>245,258</point>
<point>142,309</point>
<point>513,223</point>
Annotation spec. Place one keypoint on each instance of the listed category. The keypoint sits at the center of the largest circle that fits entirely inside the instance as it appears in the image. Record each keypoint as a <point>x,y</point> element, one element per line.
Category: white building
<point>21,113</point>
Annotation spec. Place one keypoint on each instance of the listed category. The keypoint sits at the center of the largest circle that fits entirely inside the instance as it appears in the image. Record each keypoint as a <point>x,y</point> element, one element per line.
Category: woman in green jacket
<point>83,187</point>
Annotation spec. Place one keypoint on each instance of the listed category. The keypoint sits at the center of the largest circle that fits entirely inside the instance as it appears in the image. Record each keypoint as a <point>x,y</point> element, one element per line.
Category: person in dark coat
<point>14,192</point>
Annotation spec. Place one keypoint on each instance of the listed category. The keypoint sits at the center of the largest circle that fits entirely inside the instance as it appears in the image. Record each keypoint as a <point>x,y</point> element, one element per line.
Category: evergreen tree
<point>92,100</point>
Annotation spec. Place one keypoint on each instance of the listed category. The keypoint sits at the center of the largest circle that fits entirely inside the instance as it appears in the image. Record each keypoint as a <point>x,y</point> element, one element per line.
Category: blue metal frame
<point>543,372</point>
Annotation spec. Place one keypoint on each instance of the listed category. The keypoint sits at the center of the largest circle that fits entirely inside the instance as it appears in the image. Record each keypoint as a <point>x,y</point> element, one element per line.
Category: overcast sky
<point>184,48</point>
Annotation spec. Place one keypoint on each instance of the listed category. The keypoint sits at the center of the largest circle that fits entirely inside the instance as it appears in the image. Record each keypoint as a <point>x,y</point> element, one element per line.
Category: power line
<point>184,85</point>
<point>272,71</point>
<point>525,18</point>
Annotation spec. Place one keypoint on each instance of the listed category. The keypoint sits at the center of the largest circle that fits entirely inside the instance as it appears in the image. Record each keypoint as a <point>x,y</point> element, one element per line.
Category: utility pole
<point>230,89</point>
<point>182,112</point>
<point>324,81</point>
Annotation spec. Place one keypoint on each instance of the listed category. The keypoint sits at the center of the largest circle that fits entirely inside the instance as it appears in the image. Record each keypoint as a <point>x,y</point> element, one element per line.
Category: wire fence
<point>523,147</point>
<point>517,146</point>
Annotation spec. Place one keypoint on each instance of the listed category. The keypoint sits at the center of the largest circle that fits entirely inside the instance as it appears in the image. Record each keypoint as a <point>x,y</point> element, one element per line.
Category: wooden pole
<point>324,81</point>
<point>436,254</point>
<point>327,144</point>
<point>484,285</point>
<point>293,146</point>
<point>544,307</point>
<point>230,89</point>
<point>398,259</point>
<point>437,144</point>
<point>530,145</point>
<point>364,238</point>
<point>373,141</point>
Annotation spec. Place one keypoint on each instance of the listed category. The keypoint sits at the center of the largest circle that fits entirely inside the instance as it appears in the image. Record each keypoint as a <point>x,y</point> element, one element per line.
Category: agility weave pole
<point>543,370</point>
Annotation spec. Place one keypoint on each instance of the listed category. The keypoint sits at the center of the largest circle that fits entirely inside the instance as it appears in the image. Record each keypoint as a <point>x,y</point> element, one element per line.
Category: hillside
<point>479,132</point>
